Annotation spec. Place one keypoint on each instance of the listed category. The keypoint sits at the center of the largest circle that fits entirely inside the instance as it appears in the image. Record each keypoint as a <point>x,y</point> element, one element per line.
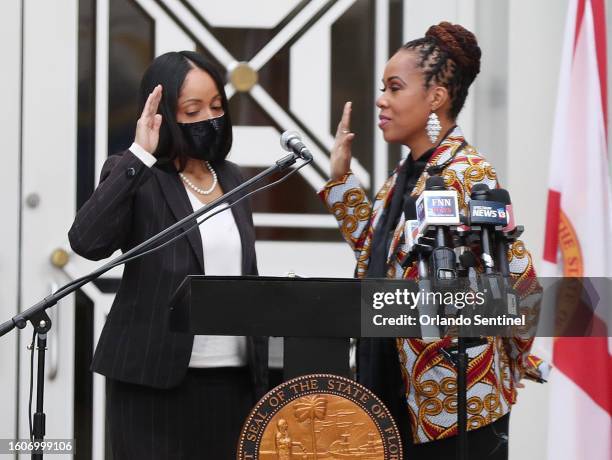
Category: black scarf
<point>401,200</point>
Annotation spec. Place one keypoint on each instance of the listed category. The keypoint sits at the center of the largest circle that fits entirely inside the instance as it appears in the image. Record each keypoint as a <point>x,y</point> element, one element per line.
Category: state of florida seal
<point>573,263</point>
<point>316,417</point>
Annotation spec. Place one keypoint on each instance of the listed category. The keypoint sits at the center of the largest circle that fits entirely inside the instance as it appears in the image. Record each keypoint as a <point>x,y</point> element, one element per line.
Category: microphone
<point>430,331</point>
<point>484,213</point>
<point>467,260</point>
<point>291,141</point>
<point>502,196</point>
<point>438,208</point>
<point>509,233</point>
<point>501,245</point>
<point>488,207</point>
<point>488,210</point>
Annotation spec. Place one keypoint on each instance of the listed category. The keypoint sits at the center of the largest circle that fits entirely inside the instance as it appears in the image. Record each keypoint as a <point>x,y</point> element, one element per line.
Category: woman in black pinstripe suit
<point>172,395</point>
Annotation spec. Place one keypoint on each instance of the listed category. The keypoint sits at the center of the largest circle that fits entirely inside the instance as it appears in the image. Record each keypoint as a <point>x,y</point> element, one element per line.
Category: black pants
<point>487,443</point>
<point>201,418</point>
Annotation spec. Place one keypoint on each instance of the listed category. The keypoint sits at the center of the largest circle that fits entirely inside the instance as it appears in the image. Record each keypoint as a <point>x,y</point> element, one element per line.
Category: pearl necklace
<point>197,189</point>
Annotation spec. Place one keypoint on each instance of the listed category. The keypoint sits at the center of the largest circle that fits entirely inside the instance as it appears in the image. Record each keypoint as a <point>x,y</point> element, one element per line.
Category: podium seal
<point>320,416</point>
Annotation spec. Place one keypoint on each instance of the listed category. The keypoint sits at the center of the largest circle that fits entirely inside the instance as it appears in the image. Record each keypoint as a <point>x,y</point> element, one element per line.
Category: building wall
<point>508,116</point>
<point>10,182</point>
<point>534,56</point>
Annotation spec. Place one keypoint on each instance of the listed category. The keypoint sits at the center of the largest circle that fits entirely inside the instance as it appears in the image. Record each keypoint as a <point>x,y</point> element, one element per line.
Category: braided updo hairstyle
<point>450,56</point>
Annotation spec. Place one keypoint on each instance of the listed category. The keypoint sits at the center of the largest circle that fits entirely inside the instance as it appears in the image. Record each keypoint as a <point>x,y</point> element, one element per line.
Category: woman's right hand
<point>341,152</point>
<point>147,126</point>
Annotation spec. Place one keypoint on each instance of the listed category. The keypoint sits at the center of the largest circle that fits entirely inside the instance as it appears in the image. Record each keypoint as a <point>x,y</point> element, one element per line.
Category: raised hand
<point>147,126</point>
<point>341,152</point>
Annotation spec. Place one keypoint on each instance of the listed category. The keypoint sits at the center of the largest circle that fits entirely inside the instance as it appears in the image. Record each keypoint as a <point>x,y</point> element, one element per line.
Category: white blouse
<point>222,256</point>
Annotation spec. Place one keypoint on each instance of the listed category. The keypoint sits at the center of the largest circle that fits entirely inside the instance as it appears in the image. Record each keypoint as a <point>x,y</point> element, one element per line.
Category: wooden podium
<point>316,316</point>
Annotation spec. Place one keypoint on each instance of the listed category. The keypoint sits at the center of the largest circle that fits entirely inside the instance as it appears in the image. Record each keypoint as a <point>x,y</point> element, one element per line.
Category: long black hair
<point>170,70</point>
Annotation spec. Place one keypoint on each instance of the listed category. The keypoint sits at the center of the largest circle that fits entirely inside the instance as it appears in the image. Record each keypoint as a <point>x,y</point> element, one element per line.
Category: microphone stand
<point>446,277</point>
<point>459,359</point>
<point>445,274</point>
<point>41,323</point>
<point>461,364</point>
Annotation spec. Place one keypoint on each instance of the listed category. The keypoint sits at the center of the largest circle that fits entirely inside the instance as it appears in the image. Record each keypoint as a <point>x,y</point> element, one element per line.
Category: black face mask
<point>204,138</point>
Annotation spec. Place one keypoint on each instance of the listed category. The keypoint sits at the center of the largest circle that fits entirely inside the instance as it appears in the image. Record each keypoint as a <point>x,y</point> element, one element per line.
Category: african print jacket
<point>496,366</point>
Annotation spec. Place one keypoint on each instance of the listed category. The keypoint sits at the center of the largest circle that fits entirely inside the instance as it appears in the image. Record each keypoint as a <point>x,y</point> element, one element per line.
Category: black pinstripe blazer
<point>133,203</point>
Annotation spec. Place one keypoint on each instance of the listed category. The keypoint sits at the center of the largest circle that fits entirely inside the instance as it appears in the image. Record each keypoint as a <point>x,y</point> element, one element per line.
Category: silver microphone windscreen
<point>287,137</point>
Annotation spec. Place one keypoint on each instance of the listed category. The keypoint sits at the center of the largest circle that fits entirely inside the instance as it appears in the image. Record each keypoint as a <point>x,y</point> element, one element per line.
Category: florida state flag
<point>579,235</point>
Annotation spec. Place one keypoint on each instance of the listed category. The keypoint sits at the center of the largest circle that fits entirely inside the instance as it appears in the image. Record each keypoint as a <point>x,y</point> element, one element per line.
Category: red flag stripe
<point>587,362</point>
<point>553,213</point>
<point>599,18</point>
<point>579,17</point>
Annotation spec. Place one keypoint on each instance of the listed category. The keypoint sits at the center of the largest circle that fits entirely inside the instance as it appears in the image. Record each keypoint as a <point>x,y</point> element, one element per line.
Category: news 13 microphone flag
<point>578,235</point>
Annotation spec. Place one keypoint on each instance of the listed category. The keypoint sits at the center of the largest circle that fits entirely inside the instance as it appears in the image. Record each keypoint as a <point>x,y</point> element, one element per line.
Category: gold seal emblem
<point>573,264</point>
<point>320,416</point>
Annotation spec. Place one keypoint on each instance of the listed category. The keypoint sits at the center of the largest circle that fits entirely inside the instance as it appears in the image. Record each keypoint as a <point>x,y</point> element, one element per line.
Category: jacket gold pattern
<point>430,381</point>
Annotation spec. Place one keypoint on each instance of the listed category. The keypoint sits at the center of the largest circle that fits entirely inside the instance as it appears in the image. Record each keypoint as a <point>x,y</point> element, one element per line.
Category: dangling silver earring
<point>433,127</point>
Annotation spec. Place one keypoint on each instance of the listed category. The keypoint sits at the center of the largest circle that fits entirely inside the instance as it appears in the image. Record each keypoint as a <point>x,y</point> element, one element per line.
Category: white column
<point>381,55</point>
<point>102,57</point>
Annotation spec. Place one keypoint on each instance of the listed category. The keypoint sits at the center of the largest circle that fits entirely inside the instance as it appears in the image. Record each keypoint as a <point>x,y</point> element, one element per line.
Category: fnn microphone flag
<point>578,230</point>
<point>437,207</point>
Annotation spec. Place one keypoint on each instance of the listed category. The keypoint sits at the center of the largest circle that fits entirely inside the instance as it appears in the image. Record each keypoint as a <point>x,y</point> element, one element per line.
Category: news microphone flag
<point>483,212</point>
<point>578,230</point>
<point>437,207</point>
